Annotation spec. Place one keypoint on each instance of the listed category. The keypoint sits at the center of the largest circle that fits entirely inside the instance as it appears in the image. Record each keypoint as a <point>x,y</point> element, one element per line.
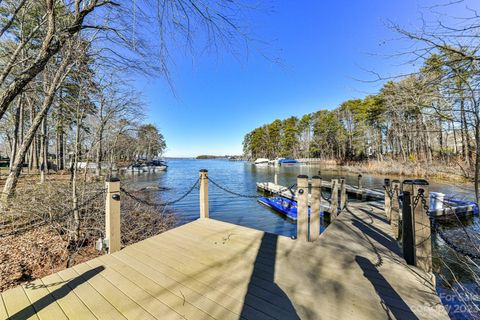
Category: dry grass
<point>46,242</point>
<point>450,172</point>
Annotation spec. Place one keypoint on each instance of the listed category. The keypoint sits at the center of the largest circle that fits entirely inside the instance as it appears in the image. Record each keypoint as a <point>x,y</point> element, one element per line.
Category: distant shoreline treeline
<point>425,116</point>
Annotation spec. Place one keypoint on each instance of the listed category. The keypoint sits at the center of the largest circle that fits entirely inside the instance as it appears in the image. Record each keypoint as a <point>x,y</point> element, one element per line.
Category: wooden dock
<point>209,269</point>
<point>360,193</point>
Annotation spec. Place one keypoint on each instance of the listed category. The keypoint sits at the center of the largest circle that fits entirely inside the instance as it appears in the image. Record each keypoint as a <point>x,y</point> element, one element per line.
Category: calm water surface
<point>242,177</point>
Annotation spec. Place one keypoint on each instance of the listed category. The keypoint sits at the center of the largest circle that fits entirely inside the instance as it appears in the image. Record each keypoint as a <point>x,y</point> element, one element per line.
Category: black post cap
<point>203,170</point>
<point>386,181</point>
<point>396,181</point>
<point>302,176</point>
<point>112,179</point>
<point>408,181</point>
<point>420,182</point>
<point>359,175</point>
<point>317,177</point>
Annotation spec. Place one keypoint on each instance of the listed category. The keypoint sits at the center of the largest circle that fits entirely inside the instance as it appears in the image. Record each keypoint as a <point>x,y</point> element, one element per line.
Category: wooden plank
<point>231,295</point>
<point>129,308</point>
<point>3,310</point>
<point>128,286</point>
<point>18,305</point>
<point>67,299</point>
<point>43,302</point>
<point>172,293</point>
<point>264,306</point>
<point>96,302</point>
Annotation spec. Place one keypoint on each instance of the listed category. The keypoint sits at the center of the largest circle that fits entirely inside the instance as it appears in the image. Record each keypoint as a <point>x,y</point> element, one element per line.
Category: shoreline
<point>443,173</point>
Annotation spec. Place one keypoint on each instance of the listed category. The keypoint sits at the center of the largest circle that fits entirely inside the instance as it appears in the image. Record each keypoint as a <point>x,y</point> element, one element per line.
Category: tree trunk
<point>12,179</point>
<point>16,132</point>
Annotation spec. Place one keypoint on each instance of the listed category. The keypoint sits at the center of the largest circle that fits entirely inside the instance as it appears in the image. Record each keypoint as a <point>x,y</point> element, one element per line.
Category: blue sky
<point>325,48</point>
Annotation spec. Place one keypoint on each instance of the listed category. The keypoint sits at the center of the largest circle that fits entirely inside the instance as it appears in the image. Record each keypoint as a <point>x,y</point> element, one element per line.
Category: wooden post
<point>343,193</point>
<point>395,211</point>
<point>422,229</point>
<point>419,224</point>
<point>359,183</point>
<point>302,207</point>
<point>112,214</point>
<point>334,200</point>
<point>275,178</point>
<point>315,207</point>
<point>203,173</point>
<point>388,201</point>
<point>360,187</point>
<point>407,225</point>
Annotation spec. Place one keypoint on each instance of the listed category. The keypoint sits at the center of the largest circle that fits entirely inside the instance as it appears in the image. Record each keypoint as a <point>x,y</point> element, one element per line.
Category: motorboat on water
<point>150,166</point>
<point>286,161</point>
<point>283,161</point>
<point>282,205</point>
<point>261,162</point>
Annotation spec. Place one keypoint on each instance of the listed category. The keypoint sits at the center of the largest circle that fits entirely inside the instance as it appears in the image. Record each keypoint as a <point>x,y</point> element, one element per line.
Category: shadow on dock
<point>266,252</point>
<point>390,300</point>
<point>37,306</point>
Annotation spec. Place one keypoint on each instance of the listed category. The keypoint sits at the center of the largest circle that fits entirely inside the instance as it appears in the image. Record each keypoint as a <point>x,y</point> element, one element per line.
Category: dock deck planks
<point>209,269</point>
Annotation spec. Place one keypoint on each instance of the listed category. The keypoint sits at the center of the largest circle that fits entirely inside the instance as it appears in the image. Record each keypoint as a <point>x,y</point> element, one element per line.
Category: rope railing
<point>230,191</point>
<point>161,204</point>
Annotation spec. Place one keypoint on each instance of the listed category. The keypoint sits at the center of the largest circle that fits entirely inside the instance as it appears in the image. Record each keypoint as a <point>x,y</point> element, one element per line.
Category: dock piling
<point>315,208</point>
<point>112,214</point>
<point>343,193</point>
<point>388,200</point>
<point>421,223</point>
<point>302,207</point>
<point>395,209</point>
<point>334,200</point>
<point>359,183</point>
<point>203,173</point>
<point>416,225</point>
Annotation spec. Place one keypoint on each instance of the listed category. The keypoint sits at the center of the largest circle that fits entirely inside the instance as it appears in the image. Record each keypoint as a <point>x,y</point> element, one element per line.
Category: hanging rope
<point>230,191</point>
<point>162,204</point>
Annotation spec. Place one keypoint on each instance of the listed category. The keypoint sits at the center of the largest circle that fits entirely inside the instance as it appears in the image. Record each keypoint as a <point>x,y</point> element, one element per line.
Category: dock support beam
<point>334,200</point>
<point>417,225</point>
<point>203,174</point>
<point>395,211</point>
<point>112,214</point>
<point>388,200</point>
<point>275,178</point>
<point>343,193</point>
<point>302,207</point>
<point>315,208</point>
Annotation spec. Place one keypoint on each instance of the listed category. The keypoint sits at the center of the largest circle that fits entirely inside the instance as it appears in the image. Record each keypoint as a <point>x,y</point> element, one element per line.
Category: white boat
<point>261,162</point>
<point>275,162</point>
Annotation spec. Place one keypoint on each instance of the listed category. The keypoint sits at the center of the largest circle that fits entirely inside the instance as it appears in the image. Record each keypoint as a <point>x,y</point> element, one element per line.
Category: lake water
<point>241,177</point>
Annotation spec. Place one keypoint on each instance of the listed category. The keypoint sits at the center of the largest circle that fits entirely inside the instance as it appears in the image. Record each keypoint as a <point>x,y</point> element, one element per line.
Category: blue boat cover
<point>465,203</point>
<point>283,205</point>
<point>287,161</point>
